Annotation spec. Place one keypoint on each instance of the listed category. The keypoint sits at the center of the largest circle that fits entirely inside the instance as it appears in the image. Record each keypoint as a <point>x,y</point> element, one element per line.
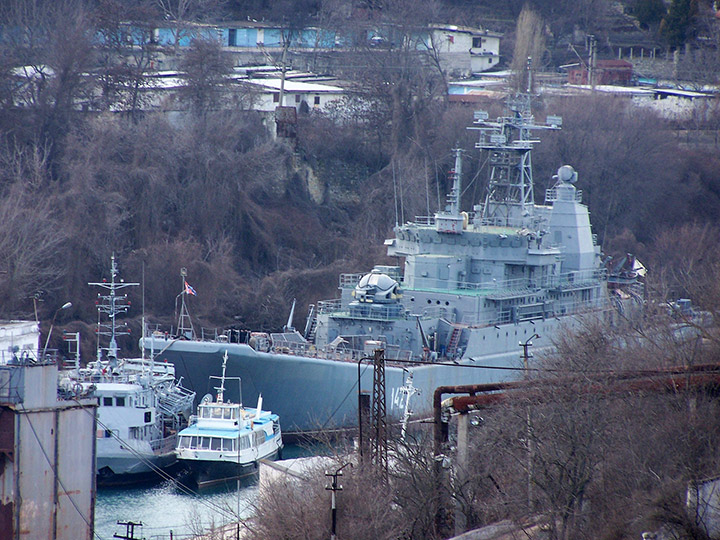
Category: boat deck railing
<point>164,445</point>
<point>574,279</point>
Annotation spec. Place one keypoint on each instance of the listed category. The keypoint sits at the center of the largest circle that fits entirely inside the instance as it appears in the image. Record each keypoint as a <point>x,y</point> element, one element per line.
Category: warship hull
<point>320,394</point>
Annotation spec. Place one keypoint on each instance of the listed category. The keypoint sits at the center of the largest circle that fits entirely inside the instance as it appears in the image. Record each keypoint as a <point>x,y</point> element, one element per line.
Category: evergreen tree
<point>650,13</point>
<point>678,25</point>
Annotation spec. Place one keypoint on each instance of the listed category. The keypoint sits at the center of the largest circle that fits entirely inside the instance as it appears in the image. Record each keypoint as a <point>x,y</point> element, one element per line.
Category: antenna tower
<point>111,304</point>
<point>510,200</point>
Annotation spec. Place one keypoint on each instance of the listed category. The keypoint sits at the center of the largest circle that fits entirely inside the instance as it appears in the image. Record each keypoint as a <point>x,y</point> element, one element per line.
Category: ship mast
<point>510,200</point>
<point>111,304</point>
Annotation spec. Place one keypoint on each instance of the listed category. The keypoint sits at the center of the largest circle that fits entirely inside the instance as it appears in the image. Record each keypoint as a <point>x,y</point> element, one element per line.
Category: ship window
<point>148,417</point>
<point>259,437</point>
<point>204,413</point>
<point>193,442</point>
<point>227,414</point>
<point>184,442</point>
<point>215,443</point>
<point>120,401</point>
<point>217,412</point>
<point>227,445</point>
<point>107,402</point>
<point>244,442</point>
<point>204,443</point>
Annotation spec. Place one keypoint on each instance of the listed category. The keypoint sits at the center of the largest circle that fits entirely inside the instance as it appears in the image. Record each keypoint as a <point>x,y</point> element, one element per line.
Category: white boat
<point>141,406</point>
<point>225,440</point>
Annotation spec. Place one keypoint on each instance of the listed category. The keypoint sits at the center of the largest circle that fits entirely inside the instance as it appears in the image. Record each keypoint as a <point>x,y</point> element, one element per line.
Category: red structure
<point>606,72</point>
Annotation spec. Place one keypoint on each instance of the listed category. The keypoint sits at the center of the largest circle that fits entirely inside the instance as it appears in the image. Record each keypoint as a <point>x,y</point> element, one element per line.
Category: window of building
<point>316,100</point>
<point>477,42</point>
<point>119,401</point>
<point>276,97</point>
<point>297,98</point>
<point>107,402</point>
<point>148,417</point>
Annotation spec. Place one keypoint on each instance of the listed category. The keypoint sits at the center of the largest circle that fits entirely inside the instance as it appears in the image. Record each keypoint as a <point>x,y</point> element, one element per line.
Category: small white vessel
<point>141,406</point>
<point>225,440</point>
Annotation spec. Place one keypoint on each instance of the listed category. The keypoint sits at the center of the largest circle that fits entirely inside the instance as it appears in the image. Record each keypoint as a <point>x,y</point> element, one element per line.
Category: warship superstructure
<point>474,286</point>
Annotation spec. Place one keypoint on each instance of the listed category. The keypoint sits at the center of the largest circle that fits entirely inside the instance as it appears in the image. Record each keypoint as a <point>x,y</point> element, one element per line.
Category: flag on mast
<point>189,289</point>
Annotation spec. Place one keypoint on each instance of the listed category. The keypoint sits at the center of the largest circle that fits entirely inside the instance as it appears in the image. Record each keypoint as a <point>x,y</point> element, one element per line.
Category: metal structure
<point>378,421</point>
<point>510,197</point>
<point>111,304</point>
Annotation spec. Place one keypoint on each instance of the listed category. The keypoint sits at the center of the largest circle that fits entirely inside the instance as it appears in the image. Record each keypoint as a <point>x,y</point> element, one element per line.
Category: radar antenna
<point>509,200</point>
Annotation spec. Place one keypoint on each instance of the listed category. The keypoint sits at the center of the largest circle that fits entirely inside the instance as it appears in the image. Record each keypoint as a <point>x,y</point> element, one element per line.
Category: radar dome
<point>567,174</point>
<point>378,288</point>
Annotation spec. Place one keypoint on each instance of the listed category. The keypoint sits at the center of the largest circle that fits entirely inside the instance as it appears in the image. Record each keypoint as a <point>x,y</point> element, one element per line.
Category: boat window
<point>184,442</point>
<point>227,414</point>
<point>215,444</point>
<point>216,412</point>
<point>119,401</point>
<point>259,437</point>
<point>244,442</point>
<point>228,445</point>
<point>107,402</point>
<point>204,413</point>
<point>204,443</point>
<point>193,442</point>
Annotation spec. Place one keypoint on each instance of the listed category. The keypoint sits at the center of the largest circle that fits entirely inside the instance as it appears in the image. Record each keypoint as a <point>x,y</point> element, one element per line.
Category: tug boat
<point>225,441</point>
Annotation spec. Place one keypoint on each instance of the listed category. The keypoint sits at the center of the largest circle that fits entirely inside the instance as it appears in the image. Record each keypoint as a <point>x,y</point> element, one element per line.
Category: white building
<point>463,50</point>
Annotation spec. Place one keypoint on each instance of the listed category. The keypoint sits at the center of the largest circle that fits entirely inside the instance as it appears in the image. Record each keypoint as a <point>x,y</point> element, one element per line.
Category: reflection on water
<point>167,508</point>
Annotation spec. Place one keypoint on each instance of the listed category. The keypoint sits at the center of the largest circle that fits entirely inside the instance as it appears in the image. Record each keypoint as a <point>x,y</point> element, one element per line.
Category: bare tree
<point>529,46</point>
<point>205,71</point>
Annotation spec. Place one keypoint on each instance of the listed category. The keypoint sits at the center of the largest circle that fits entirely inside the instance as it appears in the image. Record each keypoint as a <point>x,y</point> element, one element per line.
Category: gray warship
<point>475,286</point>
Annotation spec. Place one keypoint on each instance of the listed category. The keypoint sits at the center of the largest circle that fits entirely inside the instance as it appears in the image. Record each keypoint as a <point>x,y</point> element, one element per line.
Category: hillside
<point>258,221</point>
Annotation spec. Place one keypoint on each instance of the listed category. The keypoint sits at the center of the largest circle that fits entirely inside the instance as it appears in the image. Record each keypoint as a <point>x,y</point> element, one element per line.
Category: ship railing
<point>551,195</point>
<point>164,445</point>
<point>513,223</point>
<point>329,306</point>
<point>349,281</point>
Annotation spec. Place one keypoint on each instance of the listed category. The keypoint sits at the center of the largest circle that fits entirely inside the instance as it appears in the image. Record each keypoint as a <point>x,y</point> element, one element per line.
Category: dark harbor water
<point>164,509</point>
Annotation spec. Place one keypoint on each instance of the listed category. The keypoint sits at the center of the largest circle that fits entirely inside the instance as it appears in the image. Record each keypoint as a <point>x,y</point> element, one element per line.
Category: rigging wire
<point>164,475</point>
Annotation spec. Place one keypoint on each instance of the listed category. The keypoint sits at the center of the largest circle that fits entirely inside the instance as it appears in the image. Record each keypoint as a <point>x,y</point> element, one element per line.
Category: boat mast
<point>221,389</point>
<point>111,304</point>
<point>185,326</point>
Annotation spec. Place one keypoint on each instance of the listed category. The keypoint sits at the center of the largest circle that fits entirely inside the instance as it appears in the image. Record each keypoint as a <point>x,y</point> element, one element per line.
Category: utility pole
<point>378,420</point>
<point>333,505</point>
<point>129,530</point>
<point>526,356</point>
<point>591,60</point>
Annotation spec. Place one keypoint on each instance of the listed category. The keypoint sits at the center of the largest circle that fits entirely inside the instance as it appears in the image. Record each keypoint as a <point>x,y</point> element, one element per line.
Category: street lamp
<point>66,305</point>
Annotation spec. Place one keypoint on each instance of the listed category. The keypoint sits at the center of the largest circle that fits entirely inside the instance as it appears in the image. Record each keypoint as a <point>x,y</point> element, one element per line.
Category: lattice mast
<point>111,304</point>
<point>510,199</point>
<point>378,420</point>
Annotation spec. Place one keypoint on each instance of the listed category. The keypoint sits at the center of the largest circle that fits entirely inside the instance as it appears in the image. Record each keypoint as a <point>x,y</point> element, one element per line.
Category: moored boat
<point>225,441</point>
<point>141,405</point>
